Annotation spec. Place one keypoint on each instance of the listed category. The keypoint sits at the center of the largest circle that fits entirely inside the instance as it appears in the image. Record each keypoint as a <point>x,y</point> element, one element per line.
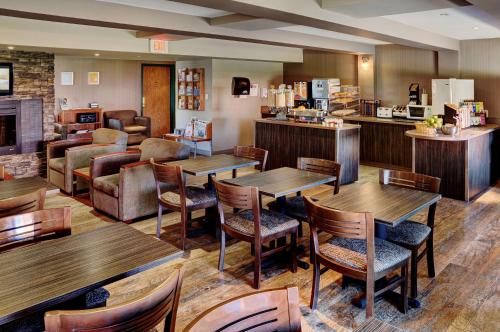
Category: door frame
<point>172,89</point>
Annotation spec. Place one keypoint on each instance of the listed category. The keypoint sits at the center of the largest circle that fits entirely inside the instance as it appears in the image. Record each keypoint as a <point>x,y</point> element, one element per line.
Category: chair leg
<point>235,173</point>
<point>222,250</point>
<point>257,267</point>
<point>184,221</point>
<point>404,288</point>
<point>430,256</point>
<point>300,229</point>
<point>413,281</point>
<point>315,286</point>
<point>345,284</point>
<point>370,298</point>
<point>294,251</point>
<point>158,221</point>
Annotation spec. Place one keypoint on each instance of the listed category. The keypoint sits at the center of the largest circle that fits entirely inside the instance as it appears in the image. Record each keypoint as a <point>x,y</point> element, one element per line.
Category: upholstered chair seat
<point>271,222</point>
<point>409,233</point>
<point>134,129</point>
<point>196,197</point>
<point>63,157</point>
<point>352,252</point>
<point>108,184</point>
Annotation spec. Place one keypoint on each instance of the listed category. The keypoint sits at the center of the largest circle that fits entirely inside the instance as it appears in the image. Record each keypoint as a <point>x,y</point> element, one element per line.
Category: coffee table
<point>83,173</point>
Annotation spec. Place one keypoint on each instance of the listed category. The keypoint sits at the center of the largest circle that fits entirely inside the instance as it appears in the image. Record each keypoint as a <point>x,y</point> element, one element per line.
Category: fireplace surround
<point>21,126</point>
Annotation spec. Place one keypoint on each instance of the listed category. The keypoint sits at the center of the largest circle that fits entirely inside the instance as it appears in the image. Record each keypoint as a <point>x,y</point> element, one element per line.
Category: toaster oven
<point>418,112</point>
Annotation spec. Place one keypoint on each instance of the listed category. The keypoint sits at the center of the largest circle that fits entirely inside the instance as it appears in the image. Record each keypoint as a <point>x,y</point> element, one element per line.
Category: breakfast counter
<point>466,163</point>
<point>288,140</point>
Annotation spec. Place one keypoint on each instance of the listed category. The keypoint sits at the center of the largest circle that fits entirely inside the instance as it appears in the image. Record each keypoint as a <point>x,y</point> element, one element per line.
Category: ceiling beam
<point>279,11</point>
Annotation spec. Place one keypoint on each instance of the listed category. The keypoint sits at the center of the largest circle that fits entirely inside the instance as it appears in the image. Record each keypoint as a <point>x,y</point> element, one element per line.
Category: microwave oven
<point>418,112</point>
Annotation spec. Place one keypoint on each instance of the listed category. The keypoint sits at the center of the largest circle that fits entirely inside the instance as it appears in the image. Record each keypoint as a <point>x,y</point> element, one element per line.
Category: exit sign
<point>158,46</point>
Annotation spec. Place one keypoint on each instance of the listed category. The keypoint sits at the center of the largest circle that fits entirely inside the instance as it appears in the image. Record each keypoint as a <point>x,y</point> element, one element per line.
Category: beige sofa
<point>65,156</point>
<point>123,184</point>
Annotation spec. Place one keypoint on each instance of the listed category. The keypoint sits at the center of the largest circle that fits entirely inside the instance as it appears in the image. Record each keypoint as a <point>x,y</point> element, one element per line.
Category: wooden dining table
<point>37,277</point>
<point>389,204</point>
<point>280,182</point>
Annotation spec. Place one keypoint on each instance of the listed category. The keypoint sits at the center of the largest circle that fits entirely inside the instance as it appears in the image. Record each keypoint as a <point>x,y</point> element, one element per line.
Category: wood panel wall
<point>318,64</point>
<point>480,60</point>
<point>396,67</point>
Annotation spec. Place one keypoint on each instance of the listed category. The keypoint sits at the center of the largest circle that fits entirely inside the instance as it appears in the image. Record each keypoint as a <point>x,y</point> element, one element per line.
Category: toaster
<point>384,112</point>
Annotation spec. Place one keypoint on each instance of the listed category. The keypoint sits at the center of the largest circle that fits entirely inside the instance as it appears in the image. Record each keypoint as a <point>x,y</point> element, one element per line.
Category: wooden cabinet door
<point>156,97</point>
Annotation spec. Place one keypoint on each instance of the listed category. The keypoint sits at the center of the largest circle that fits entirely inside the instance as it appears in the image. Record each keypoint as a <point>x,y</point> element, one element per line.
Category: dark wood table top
<point>213,164</point>
<point>23,186</point>
<point>36,277</point>
<point>389,204</point>
<point>282,181</point>
<point>83,172</point>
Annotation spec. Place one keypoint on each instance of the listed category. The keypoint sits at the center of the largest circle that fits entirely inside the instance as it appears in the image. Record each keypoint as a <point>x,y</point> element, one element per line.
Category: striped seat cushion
<point>352,253</point>
<point>410,233</point>
<point>195,196</point>
<point>270,222</point>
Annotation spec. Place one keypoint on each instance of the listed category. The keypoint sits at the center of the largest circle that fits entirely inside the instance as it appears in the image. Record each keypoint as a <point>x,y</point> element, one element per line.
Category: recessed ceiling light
<point>10,47</point>
<point>475,28</point>
<point>444,14</point>
<point>97,54</point>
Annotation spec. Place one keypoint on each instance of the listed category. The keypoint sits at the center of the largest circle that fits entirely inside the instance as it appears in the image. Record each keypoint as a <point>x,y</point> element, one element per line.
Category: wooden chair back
<point>139,314</point>
<point>410,180</point>
<point>170,175</point>
<point>22,204</point>
<point>269,310</point>
<point>34,226</point>
<point>322,166</point>
<point>350,225</point>
<point>253,153</point>
<point>2,172</point>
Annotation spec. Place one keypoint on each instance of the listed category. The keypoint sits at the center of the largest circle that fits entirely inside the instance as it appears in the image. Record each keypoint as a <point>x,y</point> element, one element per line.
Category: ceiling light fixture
<point>444,14</point>
<point>10,47</point>
<point>97,54</point>
<point>475,28</point>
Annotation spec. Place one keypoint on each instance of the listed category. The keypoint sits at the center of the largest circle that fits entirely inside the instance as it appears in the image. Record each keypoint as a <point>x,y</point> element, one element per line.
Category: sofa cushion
<point>109,136</point>
<point>57,164</point>
<point>108,184</point>
<point>126,116</point>
<point>134,129</point>
<point>160,149</point>
<point>352,252</point>
<point>270,222</point>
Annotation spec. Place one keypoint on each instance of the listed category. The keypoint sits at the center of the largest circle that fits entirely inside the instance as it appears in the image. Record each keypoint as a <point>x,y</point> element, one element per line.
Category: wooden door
<point>156,98</point>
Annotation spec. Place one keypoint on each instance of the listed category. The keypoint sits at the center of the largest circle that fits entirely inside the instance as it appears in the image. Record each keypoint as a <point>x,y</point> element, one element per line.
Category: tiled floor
<point>464,295</point>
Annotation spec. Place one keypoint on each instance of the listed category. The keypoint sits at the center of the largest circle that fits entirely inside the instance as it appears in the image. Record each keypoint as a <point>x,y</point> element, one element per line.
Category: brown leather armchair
<point>123,184</point>
<point>138,128</point>
<point>63,157</point>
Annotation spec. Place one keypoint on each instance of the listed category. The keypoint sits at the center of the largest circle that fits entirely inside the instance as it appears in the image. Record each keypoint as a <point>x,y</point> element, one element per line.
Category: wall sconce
<point>364,61</point>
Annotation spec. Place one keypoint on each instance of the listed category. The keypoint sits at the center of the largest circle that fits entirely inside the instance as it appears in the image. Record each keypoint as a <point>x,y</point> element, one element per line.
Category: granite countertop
<point>464,135</point>
<point>346,126</point>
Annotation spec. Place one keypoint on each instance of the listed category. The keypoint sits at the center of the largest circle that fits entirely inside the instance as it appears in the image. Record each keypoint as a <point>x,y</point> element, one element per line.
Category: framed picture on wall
<point>93,78</point>
<point>66,78</point>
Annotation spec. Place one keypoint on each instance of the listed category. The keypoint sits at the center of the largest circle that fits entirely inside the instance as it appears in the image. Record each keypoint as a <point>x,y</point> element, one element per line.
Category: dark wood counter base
<point>466,168</point>
<point>286,143</point>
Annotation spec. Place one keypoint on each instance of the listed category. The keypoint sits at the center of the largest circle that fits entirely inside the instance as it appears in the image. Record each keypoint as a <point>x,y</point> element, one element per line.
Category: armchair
<point>65,156</point>
<point>123,184</point>
<point>137,127</point>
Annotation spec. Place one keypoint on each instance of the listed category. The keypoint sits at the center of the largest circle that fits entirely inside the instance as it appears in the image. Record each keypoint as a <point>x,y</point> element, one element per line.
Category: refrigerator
<point>450,91</point>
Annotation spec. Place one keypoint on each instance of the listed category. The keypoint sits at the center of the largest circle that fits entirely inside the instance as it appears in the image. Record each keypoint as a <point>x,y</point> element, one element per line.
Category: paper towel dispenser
<point>241,86</point>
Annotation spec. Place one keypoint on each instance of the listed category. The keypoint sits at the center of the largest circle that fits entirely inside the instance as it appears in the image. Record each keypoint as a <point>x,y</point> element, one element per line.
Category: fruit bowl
<point>449,130</point>
<point>424,129</point>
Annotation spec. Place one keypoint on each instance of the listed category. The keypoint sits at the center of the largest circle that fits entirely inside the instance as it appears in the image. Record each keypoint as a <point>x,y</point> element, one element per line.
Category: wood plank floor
<point>464,296</point>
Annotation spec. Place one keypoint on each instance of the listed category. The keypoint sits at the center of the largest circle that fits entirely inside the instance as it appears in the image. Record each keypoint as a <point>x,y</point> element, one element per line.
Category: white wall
<point>232,118</point>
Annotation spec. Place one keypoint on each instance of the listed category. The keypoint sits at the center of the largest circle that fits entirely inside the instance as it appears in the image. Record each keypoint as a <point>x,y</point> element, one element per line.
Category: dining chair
<point>253,224</point>
<point>178,197</point>
<point>294,206</point>
<point>251,152</point>
<point>144,313</point>
<point>2,172</point>
<point>21,204</point>
<point>269,310</point>
<point>354,251</point>
<point>21,229</point>
<point>409,234</point>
